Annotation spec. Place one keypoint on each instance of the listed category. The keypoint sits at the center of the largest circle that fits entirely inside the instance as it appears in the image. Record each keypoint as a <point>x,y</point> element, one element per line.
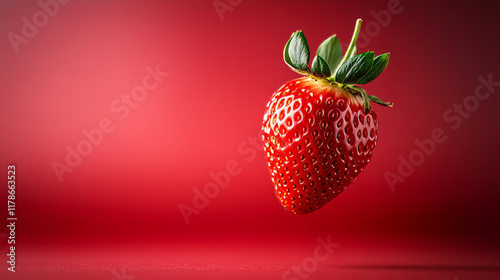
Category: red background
<point>121,204</point>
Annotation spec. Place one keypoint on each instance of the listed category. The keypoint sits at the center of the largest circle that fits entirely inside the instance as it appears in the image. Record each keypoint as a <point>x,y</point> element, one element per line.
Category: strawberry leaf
<point>354,68</point>
<point>379,64</point>
<point>320,67</point>
<point>331,51</point>
<point>377,100</point>
<point>369,98</point>
<point>366,98</point>
<point>296,53</point>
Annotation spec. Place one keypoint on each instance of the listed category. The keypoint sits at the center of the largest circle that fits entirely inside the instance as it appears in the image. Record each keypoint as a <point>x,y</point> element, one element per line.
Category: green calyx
<point>329,65</point>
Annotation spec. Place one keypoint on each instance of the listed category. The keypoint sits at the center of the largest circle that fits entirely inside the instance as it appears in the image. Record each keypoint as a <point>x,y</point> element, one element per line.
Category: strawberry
<point>319,131</point>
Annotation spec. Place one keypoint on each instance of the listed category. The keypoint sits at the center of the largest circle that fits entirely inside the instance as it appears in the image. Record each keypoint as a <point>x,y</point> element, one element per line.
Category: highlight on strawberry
<point>319,131</point>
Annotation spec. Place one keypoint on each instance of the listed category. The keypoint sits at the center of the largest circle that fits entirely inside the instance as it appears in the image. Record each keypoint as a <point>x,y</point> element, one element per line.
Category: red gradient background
<point>119,208</point>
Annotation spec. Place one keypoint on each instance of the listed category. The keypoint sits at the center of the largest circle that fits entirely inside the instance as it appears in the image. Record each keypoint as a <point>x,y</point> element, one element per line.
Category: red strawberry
<point>319,131</point>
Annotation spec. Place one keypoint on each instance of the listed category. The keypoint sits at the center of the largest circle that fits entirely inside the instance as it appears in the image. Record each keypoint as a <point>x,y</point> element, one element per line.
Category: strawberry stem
<point>352,45</point>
